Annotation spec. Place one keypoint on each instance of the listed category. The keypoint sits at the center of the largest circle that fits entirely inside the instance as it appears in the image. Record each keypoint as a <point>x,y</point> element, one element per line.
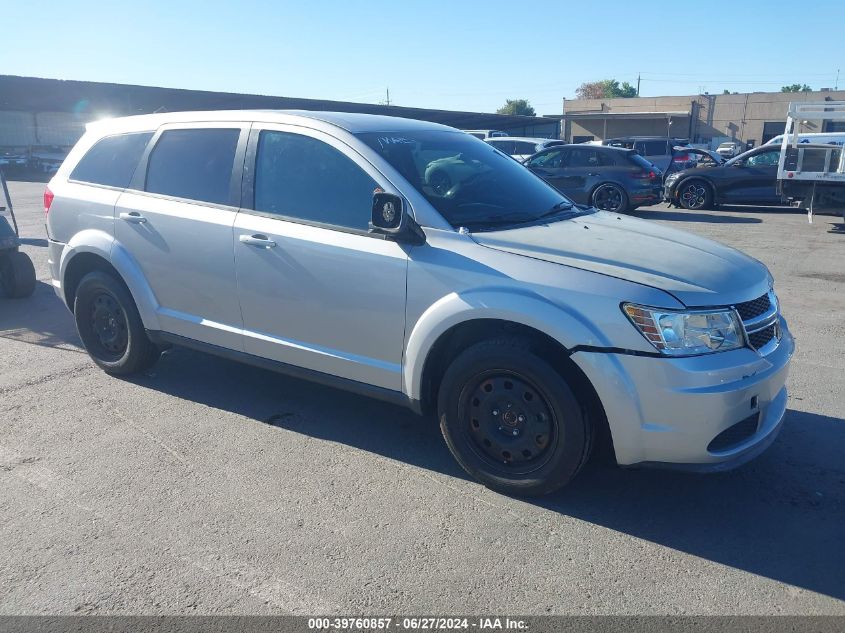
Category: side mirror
<point>390,218</point>
<point>739,163</point>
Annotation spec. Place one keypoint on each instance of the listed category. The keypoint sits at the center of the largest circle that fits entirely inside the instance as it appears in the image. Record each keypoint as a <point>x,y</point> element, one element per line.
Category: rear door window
<point>524,148</point>
<point>112,160</point>
<point>504,146</point>
<point>652,148</point>
<point>195,164</point>
<point>584,157</point>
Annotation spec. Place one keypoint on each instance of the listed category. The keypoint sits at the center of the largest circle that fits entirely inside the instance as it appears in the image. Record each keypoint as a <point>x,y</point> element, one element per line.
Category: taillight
<point>48,200</point>
<point>647,175</point>
<point>681,158</point>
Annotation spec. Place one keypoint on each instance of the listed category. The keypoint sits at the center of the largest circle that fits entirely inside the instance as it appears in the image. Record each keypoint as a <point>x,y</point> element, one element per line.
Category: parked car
<point>13,158</point>
<point>311,243</point>
<point>521,147</point>
<point>749,178</point>
<point>47,158</point>
<point>660,150</point>
<point>698,157</point>
<point>483,134</point>
<point>729,149</point>
<point>608,178</point>
<point>825,138</point>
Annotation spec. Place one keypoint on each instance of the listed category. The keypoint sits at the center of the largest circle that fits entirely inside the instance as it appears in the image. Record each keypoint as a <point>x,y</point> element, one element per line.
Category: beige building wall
<point>735,116</point>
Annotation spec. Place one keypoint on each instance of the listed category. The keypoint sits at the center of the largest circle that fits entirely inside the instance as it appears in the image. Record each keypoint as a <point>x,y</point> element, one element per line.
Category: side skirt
<point>165,339</point>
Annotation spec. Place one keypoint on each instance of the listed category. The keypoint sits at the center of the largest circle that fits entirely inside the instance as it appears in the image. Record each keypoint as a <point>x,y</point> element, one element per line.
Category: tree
<point>605,89</point>
<point>796,88</point>
<point>517,106</point>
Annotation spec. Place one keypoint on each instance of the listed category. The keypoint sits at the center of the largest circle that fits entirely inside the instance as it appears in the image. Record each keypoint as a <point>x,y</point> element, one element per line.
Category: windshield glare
<point>469,182</point>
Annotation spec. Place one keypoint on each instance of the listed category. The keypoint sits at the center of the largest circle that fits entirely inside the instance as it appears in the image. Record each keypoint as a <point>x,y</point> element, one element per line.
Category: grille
<point>752,309</point>
<point>759,338</point>
<point>734,435</point>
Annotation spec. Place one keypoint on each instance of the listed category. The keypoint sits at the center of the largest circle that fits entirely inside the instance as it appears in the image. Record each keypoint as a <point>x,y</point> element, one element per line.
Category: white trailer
<point>812,175</point>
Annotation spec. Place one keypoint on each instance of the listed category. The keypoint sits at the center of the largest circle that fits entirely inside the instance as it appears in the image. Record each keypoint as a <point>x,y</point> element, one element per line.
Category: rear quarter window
<point>112,160</point>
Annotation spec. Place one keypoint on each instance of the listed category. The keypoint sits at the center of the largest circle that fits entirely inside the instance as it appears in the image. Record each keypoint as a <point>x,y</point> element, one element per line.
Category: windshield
<point>469,182</point>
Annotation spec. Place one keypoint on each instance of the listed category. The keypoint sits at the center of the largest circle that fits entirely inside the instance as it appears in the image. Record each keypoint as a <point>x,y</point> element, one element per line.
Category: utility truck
<point>812,175</point>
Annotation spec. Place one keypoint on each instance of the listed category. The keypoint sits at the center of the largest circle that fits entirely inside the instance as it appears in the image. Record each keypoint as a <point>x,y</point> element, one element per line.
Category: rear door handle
<point>257,240</point>
<point>592,174</point>
<point>133,216</point>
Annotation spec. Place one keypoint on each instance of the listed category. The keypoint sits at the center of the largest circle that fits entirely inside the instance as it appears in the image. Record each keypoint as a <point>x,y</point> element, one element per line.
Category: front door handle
<point>257,240</point>
<point>133,216</point>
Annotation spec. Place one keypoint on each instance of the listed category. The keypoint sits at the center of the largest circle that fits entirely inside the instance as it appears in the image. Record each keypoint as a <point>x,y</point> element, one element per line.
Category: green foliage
<point>517,106</point>
<point>605,89</point>
<point>796,88</point>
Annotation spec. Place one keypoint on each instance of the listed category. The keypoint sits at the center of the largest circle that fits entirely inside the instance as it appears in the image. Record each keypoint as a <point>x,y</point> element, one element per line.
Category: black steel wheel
<point>695,195</point>
<point>610,197</point>
<point>510,420</point>
<point>17,275</point>
<point>110,327</point>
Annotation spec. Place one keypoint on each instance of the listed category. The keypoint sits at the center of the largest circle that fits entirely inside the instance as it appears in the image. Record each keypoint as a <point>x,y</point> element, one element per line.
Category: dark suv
<point>608,178</point>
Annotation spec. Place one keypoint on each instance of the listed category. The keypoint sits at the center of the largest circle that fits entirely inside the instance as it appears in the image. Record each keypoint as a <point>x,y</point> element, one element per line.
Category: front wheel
<point>695,195</point>
<point>110,326</point>
<point>17,275</point>
<point>610,197</point>
<point>511,421</point>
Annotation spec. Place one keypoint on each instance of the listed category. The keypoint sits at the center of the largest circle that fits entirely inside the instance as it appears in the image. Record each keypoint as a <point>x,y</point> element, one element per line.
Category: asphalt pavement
<point>210,487</point>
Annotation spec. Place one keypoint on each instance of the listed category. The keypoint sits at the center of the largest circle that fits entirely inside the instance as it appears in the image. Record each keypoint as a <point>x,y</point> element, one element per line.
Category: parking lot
<point>211,487</point>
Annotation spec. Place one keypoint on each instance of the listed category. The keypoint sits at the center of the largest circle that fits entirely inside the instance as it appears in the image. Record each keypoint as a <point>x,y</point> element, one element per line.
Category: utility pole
<point>387,101</point>
<point>836,85</point>
<point>638,84</point>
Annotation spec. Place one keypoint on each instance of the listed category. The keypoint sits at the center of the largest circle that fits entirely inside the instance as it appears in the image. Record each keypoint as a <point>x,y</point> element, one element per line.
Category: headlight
<point>687,333</point>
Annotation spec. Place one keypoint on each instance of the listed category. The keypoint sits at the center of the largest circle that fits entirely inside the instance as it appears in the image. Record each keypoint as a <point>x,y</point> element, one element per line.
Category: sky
<point>447,54</point>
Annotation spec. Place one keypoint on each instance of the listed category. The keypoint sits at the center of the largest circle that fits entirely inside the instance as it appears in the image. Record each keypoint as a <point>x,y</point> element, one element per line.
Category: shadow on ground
<point>781,516</point>
<point>713,217</point>
<point>41,319</point>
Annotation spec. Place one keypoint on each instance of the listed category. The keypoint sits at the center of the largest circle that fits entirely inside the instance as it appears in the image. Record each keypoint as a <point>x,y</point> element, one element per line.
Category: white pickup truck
<point>812,175</point>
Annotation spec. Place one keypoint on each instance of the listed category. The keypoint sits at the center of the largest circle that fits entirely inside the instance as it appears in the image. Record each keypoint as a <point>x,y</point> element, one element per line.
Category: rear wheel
<point>110,326</point>
<point>695,195</point>
<point>610,197</point>
<point>17,275</point>
<point>511,421</point>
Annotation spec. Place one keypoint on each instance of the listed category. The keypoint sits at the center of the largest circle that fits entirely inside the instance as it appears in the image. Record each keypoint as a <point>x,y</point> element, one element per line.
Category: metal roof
<point>92,99</point>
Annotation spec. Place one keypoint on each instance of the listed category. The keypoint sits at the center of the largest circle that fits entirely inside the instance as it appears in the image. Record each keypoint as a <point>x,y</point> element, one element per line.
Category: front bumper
<point>667,411</point>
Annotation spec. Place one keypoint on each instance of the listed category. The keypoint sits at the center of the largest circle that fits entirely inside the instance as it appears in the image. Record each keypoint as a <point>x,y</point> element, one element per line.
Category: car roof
<point>528,139</point>
<point>352,122</point>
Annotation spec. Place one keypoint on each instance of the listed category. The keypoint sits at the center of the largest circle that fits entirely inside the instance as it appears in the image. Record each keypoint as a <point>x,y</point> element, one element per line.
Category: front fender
<point>561,323</point>
<point>100,243</point>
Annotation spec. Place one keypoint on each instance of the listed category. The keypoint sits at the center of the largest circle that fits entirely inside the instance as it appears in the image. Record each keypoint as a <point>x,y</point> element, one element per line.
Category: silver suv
<point>414,263</point>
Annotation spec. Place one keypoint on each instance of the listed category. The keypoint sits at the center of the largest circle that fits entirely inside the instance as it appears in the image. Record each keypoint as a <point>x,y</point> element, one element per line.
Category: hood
<point>697,271</point>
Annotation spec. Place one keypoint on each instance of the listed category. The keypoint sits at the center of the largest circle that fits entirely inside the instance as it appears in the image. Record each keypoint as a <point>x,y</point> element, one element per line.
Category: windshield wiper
<point>512,220</point>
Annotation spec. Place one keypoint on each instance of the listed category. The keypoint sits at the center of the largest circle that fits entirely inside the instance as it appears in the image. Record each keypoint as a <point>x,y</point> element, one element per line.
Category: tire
<point>609,197</point>
<point>110,327</point>
<point>695,195</point>
<point>17,275</point>
<point>511,421</point>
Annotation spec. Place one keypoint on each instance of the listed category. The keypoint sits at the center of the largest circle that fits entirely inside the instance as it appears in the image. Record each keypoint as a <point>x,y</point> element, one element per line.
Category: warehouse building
<point>752,118</point>
<point>46,116</point>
